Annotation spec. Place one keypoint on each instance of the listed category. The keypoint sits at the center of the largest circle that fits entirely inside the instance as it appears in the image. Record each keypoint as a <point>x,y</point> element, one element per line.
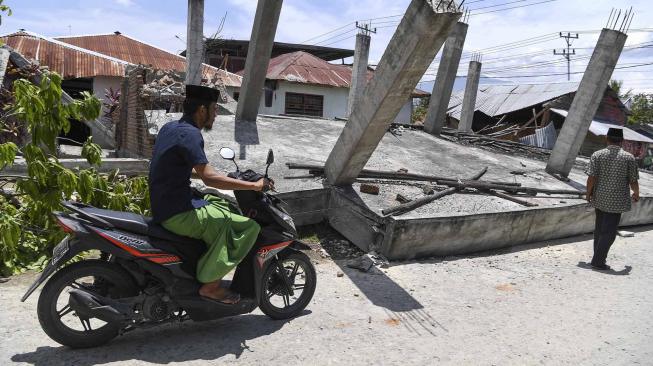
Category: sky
<point>527,34</point>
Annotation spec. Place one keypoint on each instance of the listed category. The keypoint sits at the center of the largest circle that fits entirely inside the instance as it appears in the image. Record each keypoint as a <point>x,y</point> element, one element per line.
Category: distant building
<point>300,83</point>
<point>508,111</point>
<point>230,54</point>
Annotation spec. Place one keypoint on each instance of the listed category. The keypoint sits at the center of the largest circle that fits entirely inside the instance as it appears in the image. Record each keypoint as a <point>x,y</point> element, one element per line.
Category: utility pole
<point>567,53</point>
<point>365,29</point>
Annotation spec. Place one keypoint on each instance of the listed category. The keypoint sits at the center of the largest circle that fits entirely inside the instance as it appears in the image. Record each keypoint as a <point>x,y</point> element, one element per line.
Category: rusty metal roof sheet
<point>134,51</point>
<point>305,68</point>
<point>496,100</point>
<point>67,60</point>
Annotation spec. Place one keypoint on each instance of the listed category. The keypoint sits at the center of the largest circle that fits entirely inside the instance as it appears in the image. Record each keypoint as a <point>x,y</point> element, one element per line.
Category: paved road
<point>527,305</point>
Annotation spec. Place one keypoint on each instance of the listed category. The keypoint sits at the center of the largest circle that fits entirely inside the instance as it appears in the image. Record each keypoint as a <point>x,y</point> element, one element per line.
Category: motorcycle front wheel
<point>288,286</point>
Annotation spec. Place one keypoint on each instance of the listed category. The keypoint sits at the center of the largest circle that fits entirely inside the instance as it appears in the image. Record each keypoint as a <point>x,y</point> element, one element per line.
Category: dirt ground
<point>526,305</point>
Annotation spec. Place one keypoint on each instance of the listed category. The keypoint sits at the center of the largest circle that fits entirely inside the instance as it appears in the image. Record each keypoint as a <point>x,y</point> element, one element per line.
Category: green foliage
<point>28,229</point>
<point>419,112</point>
<point>4,9</point>
<point>617,86</point>
<point>641,109</point>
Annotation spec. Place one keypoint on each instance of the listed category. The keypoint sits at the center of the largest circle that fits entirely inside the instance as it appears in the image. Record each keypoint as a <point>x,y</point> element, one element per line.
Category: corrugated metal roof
<point>496,100</point>
<point>67,60</point>
<point>137,52</point>
<point>601,128</point>
<point>302,67</point>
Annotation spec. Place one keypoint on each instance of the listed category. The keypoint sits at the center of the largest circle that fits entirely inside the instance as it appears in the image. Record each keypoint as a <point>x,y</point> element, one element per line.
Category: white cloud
<point>125,2</point>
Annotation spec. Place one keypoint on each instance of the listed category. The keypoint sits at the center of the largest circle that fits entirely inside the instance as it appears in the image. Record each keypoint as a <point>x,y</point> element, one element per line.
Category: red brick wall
<point>132,137</point>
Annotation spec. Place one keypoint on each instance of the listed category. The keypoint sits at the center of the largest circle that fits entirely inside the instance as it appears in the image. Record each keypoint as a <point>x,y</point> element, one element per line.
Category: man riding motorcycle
<point>178,150</point>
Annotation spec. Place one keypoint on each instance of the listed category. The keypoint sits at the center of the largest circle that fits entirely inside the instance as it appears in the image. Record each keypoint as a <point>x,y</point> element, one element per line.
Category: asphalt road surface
<point>526,305</point>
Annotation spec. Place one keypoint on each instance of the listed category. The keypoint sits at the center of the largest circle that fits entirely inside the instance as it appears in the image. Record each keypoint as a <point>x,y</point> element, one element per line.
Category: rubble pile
<point>169,84</point>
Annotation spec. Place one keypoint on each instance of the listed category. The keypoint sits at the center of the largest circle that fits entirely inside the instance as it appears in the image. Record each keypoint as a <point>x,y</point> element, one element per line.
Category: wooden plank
<point>509,198</point>
<point>409,206</point>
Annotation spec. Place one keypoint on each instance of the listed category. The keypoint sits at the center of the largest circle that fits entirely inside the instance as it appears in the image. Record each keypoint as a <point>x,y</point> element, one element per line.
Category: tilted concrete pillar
<point>446,76</point>
<point>359,70</point>
<point>588,97</point>
<point>194,42</point>
<point>419,36</point>
<point>469,99</point>
<point>258,58</point>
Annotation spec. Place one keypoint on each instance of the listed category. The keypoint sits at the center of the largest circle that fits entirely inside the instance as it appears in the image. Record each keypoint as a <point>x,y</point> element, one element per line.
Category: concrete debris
<point>340,274</point>
<point>402,170</point>
<point>362,263</point>
<point>369,189</point>
<point>625,234</point>
<point>401,198</point>
<point>366,261</point>
<point>428,190</point>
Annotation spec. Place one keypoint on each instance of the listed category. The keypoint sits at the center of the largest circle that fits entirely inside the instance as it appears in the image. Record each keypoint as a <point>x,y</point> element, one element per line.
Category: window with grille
<point>305,104</point>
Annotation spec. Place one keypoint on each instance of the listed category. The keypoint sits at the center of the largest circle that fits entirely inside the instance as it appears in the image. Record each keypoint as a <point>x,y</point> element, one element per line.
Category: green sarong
<point>228,236</point>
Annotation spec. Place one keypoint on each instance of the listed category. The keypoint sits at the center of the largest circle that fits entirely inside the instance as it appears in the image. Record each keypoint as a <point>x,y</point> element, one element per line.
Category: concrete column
<point>469,99</point>
<point>194,42</point>
<point>586,102</point>
<point>4,60</point>
<point>258,58</point>
<point>419,36</point>
<point>439,102</point>
<point>359,70</point>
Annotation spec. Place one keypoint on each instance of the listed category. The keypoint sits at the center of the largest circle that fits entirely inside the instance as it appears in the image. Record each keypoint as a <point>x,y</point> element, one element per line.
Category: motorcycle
<point>145,275</point>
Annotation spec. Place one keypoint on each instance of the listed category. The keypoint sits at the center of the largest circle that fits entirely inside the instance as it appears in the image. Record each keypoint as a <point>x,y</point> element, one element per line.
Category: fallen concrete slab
<point>126,166</point>
<point>454,224</point>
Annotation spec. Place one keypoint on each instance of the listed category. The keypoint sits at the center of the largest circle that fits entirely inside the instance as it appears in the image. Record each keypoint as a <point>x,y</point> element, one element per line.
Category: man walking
<point>611,174</point>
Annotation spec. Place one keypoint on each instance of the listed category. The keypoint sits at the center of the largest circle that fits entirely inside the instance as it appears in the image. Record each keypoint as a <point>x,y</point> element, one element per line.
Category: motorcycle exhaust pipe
<point>87,305</point>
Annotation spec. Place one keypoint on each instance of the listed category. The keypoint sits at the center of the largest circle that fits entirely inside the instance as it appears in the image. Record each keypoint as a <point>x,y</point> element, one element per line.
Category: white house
<point>299,83</point>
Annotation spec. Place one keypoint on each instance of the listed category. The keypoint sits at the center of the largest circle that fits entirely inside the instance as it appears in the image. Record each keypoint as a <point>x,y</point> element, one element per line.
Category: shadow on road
<point>624,272</point>
<point>165,344</point>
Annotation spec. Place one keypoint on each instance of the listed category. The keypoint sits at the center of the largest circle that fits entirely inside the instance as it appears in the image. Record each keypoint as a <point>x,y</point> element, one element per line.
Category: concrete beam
<point>588,97</point>
<point>359,71</point>
<point>469,99</point>
<point>446,76</point>
<point>417,40</point>
<point>4,60</point>
<point>194,42</point>
<point>258,58</point>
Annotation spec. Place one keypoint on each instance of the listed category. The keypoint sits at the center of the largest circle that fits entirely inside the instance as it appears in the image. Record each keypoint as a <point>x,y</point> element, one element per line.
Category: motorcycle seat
<point>138,224</point>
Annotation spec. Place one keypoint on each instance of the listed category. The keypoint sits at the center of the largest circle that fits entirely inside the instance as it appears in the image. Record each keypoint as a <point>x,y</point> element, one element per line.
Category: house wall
<point>335,101</point>
<point>100,83</point>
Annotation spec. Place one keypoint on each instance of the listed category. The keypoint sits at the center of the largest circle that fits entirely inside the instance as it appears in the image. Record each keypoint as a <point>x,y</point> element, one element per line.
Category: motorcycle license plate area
<point>58,254</point>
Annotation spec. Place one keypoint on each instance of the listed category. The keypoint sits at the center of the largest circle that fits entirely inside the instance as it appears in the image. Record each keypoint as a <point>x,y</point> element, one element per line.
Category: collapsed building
<point>402,192</point>
<point>534,114</point>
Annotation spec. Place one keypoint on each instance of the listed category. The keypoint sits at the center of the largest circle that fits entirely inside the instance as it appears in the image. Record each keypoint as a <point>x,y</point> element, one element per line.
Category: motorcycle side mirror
<point>270,157</point>
<point>227,153</point>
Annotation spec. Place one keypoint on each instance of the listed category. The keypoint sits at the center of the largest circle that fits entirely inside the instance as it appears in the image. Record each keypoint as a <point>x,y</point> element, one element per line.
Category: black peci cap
<point>202,93</point>
<point>616,133</point>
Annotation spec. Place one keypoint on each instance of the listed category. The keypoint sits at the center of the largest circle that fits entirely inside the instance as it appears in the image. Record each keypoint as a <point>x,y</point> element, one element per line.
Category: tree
<point>4,9</point>
<point>641,109</point>
<point>28,230</point>
<point>419,112</point>
<point>617,86</point>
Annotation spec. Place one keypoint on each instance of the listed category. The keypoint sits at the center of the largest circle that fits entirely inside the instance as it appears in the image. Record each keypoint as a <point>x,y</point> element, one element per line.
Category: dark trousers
<point>605,231</point>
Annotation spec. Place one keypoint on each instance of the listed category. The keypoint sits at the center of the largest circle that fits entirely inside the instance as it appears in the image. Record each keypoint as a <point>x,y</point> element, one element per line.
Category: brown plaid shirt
<point>614,170</point>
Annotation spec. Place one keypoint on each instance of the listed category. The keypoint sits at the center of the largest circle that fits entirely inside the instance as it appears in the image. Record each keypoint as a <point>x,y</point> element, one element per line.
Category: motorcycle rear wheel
<point>108,279</point>
<point>301,277</point>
